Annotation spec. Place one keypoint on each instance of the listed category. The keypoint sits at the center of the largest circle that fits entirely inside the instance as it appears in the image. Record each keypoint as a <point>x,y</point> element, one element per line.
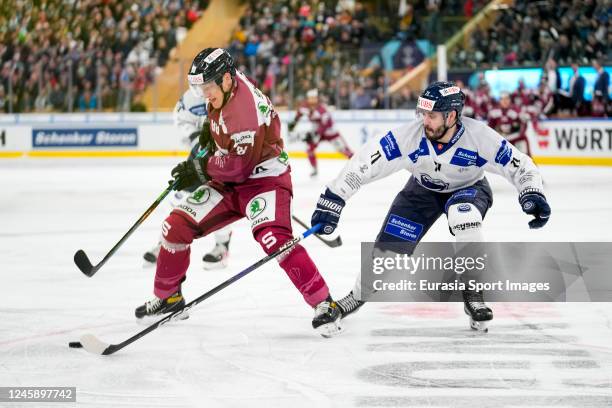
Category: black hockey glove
<point>328,212</point>
<point>534,203</point>
<point>206,138</point>
<point>309,138</point>
<point>190,173</point>
<point>194,135</point>
<point>291,125</point>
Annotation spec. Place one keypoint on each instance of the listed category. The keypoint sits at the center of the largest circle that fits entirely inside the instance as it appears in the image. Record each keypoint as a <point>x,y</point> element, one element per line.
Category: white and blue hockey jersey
<point>189,114</point>
<point>474,149</point>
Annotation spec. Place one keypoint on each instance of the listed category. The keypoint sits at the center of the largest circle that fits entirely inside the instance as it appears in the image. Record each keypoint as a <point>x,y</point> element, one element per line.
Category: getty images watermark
<point>506,271</point>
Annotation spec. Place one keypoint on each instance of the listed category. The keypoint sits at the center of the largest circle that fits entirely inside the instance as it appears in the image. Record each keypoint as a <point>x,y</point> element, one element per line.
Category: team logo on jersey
<point>199,197</point>
<point>433,184</point>
<point>390,147</point>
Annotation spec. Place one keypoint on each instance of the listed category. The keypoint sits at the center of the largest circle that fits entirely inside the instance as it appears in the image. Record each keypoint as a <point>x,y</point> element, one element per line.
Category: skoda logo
<point>199,197</point>
<point>257,206</point>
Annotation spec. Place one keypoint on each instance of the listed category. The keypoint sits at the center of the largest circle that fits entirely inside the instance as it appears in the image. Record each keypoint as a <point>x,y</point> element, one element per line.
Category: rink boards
<point>559,142</point>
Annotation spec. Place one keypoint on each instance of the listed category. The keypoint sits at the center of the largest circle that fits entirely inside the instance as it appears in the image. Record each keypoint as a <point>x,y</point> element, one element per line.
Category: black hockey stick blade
<point>332,243</point>
<point>81,259</point>
<point>84,264</point>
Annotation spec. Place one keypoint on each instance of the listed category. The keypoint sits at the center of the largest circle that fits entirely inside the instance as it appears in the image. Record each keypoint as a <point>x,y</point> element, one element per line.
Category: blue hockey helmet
<point>443,97</point>
<point>210,65</point>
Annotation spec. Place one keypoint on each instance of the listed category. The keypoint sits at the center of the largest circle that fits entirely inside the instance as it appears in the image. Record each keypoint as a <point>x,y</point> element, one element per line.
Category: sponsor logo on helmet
<point>195,79</point>
<point>425,103</point>
<point>214,55</point>
<point>451,90</point>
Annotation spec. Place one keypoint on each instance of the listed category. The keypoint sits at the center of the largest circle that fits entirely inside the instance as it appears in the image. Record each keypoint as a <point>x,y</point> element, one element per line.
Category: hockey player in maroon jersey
<point>510,122</point>
<point>244,174</point>
<point>324,129</point>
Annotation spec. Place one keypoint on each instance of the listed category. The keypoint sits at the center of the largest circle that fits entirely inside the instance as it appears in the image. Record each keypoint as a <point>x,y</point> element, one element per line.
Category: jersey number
<point>374,158</point>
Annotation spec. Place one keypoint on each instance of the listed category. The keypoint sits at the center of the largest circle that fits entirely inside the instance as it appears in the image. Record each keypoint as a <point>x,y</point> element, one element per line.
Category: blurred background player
<point>510,122</point>
<point>189,116</point>
<point>447,156</point>
<point>244,174</point>
<point>323,128</point>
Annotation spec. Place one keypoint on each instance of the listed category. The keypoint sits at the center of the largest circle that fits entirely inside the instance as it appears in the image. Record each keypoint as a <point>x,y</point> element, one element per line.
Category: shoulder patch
<point>390,147</point>
<point>504,154</point>
<point>199,110</point>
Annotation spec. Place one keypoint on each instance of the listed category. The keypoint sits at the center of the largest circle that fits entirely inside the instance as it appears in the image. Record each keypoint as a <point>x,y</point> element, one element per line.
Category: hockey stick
<point>96,346</point>
<point>82,260</point>
<point>332,243</point>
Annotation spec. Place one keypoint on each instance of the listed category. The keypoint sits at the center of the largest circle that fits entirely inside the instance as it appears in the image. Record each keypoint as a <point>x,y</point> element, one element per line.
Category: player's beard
<point>435,135</point>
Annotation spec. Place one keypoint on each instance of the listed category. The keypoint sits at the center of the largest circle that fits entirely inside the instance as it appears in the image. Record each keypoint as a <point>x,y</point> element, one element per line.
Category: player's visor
<point>200,88</point>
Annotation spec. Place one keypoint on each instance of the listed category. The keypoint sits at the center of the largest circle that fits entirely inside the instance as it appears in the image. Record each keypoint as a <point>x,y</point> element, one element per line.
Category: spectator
<point>602,83</point>
<point>361,99</point>
<point>49,45</point>
<point>572,99</point>
<point>576,88</point>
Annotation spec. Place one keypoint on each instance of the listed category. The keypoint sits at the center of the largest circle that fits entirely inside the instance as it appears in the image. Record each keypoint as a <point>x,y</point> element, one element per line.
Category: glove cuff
<point>333,196</point>
<point>528,191</point>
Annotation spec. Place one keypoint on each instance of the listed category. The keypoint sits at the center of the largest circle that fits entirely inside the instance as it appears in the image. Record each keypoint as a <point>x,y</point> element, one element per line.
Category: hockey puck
<point>75,344</point>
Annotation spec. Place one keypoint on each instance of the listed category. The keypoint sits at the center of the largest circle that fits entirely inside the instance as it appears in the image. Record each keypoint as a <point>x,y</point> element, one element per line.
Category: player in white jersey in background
<point>189,116</point>
<point>447,156</point>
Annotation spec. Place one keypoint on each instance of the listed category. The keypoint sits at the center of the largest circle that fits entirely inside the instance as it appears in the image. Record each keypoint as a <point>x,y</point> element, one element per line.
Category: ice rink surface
<point>252,343</point>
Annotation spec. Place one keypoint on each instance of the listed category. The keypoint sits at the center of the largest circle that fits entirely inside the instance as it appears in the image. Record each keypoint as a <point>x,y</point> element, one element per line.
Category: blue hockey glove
<point>534,203</point>
<point>328,212</point>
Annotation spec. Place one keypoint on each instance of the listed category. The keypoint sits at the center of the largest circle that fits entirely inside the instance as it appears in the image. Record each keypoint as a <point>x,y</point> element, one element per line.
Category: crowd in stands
<point>320,44</point>
<point>82,55</point>
<point>530,32</point>
<point>59,55</point>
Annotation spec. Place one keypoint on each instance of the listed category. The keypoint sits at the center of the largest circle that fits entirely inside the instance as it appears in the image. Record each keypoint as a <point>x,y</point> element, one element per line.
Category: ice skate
<point>474,306</point>
<point>349,304</point>
<point>314,173</point>
<point>217,258</point>
<point>327,318</point>
<point>157,307</point>
<point>150,257</point>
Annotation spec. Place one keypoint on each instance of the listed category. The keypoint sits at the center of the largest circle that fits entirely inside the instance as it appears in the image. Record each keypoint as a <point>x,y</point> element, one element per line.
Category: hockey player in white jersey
<point>447,156</point>
<point>189,116</point>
